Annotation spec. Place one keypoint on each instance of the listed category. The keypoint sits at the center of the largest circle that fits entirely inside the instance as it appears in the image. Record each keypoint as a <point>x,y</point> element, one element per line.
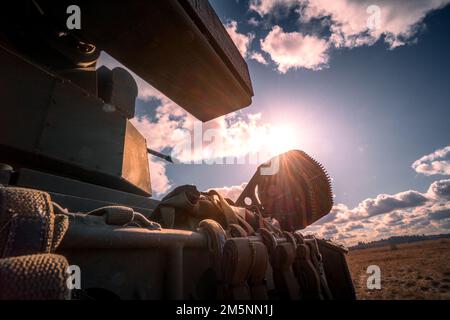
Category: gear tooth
<point>320,180</point>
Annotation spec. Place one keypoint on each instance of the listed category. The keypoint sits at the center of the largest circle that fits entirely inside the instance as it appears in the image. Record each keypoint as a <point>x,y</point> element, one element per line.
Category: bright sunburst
<point>282,139</point>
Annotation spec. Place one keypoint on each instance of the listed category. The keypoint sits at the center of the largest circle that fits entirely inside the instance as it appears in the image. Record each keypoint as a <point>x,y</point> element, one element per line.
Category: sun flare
<point>282,139</point>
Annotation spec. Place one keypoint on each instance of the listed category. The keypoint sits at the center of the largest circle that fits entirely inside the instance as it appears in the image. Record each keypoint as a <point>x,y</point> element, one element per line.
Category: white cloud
<point>435,163</point>
<point>350,24</point>
<point>409,212</point>
<point>440,190</point>
<point>254,22</point>
<point>264,7</point>
<point>293,50</point>
<point>243,41</point>
<point>387,203</point>
<point>258,57</point>
<point>350,20</point>
<point>160,182</point>
<point>231,193</point>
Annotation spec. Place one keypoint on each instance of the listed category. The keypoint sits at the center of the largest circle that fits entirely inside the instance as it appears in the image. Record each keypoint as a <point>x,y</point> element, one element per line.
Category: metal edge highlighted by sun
<point>298,194</point>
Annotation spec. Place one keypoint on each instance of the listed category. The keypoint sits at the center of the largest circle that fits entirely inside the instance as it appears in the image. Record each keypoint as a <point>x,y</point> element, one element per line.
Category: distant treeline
<point>398,240</point>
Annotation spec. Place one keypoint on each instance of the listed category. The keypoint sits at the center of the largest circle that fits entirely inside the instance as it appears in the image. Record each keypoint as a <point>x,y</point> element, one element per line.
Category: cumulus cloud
<point>328,231</point>
<point>408,212</point>
<point>441,214</point>
<point>337,213</point>
<point>404,213</point>
<point>254,22</point>
<point>387,203</point>
<point>264,7</point>
<point>427,219</point>
<point>243,41</point>
<point>349,24</point>
<point>258,57</point>
<point>392,219</point>
<point>440,190</point>
<point>436,163</point>
<point>293,50</point>
<point>353,226</point>
<point>160,181</point>
<point>355,23</point>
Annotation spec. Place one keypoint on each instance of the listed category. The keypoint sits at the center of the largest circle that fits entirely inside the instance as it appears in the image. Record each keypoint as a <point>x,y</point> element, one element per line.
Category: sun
<point>282,138</point>
<point>274,139</point>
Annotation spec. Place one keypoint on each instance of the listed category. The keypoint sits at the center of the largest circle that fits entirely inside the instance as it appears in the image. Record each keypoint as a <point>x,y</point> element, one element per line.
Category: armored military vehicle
<point>77,220</point>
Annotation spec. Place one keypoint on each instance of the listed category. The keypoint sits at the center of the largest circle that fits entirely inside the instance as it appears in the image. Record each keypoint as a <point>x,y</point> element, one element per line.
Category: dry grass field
<point>418,270</point>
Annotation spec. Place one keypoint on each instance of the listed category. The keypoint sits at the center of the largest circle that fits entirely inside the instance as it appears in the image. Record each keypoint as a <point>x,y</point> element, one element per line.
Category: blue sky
<point>371,113</point>
<point>367,103</point>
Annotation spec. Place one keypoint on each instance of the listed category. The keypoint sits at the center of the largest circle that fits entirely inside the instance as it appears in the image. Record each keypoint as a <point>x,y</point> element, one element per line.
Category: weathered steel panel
<point>78,130</point>
<point>135,166</point>
<point>51,183</point>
